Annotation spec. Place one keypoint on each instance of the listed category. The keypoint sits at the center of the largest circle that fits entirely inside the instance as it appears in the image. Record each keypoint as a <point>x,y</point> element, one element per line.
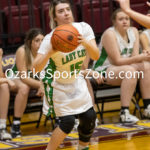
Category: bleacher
<point>18,16</point>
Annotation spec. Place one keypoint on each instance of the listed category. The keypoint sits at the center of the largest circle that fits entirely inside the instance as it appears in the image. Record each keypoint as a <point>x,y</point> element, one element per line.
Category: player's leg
<point>19,106</point>
<point>123,77</point>
<point>86,128</point>
<point>4,102</point>
<point>144,70</point>
<point>66,124</point>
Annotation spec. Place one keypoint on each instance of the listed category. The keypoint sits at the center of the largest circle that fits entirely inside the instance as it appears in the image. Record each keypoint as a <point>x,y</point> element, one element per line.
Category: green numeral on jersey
<point>76,67</point>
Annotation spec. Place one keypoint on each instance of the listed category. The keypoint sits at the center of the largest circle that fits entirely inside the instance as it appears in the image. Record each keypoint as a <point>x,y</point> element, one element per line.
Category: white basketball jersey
<point>68,93</point>
<point>125,49</point>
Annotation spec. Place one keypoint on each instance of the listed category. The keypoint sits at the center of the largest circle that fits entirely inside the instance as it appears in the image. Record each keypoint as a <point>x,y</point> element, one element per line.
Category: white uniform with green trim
<point>70,95</point>
<point>125,49</point>
<point>147,33</point>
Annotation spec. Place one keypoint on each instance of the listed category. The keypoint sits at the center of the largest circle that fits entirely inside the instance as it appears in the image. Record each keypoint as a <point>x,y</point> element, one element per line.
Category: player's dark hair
<point>30,35</point>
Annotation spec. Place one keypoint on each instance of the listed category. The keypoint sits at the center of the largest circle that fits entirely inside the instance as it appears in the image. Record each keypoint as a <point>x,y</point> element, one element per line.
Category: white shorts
<point>69,99</point>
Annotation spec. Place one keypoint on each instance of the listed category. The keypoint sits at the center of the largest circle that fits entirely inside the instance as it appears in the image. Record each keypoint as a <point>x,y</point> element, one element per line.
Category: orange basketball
<point>65,38</point>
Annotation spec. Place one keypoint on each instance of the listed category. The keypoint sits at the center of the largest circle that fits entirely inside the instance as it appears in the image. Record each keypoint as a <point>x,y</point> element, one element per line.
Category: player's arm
<point>44,53</point>
<point>140,18</point>
<point>41,60</point>
<point>87,39</point>
<point>144,42</point>
<point>1,68</point>
<point>91,47</point>
<point>136,46</point>
<point>86,62</point>
<point>114,52</point>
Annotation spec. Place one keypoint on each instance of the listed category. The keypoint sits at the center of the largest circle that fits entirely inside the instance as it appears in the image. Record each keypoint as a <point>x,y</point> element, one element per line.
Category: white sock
<point>2,123</point>
<point>81,147</point>
<point>16,122</point>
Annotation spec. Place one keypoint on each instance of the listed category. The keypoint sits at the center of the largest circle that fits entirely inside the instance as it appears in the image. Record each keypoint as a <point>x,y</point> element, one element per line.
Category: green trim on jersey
<point>87,148</point>
<point>126,50</point>
<point>47,84</point>
<point>101,59</point>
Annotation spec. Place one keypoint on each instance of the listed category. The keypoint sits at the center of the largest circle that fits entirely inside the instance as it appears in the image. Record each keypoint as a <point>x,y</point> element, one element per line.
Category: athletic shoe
<point>4,135</point>
<point>126,117</point>
<point>15,130</point>
<point>146,112</point>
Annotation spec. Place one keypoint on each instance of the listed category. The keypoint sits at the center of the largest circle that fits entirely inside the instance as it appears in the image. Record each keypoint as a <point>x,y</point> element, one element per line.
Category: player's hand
<point>124,4</point>
<point>145,56</point>
<point>148,3</point>
<point>100,79</point>
<point>11,84</point>
<point>82,40</point>
<point>146,52</point>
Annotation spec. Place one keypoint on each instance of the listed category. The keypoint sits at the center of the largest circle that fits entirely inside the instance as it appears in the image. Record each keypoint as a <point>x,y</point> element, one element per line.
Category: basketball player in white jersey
<point>5,84</point>
<point>67,97</point>
<point>120,54</point>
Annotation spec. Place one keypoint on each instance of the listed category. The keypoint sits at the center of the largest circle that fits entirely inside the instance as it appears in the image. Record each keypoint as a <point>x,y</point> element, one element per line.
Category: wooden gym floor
<point>109,136</point>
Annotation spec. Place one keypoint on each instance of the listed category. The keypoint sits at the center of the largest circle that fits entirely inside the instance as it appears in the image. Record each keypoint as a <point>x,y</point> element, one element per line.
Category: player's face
<point>122,21</point>
<point>63,14</point>
<point>36,42</point>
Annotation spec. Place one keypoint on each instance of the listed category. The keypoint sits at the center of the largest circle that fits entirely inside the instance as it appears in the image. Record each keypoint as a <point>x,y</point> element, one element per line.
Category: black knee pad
<point>66,123</point>
<point>87,125</point>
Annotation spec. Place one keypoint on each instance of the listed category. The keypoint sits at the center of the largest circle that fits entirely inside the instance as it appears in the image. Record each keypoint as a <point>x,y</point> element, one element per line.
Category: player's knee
<point>67,123</point>
<point>24,89</point>
<point>88,116</point>
<point>87,125</point>
<point>4,86</point>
